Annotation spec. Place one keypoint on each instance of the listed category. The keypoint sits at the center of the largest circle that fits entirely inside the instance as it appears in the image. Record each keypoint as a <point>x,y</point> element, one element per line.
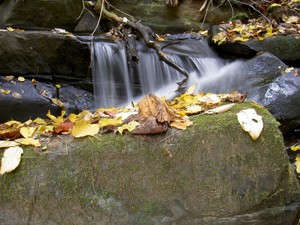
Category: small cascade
<point>116,83</point>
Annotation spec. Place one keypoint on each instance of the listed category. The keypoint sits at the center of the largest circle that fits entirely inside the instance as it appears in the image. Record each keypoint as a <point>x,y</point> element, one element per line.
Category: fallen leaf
<point>27,132</point>
<point>295,148</point>
<point>40,121</point>
<point>251,122</point>
<point>297,163</point>
<point>11,159</point>
<point>220,109</point>
<point>129,126</point>
<point>110,122</point>
<point>83,128</point>
<point>57,102</point>
<point>7,144</point>
<point>21,79</point>
<point>64,127</point>
<point>56,120</point>
<point>29,141</point>
<point>289,69</point>
<point>17,95</point>
<point>182,124</point>
<point>9,78</point>
<point>193,109</point>
<point>3,91</point>
<point>191,90</point>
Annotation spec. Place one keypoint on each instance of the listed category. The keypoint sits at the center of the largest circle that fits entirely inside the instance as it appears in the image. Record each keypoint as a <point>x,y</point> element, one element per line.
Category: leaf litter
<point>152,115</point>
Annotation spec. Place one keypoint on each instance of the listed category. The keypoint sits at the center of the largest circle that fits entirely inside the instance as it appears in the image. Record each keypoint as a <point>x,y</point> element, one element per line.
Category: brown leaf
<point>152,106</point>
<point>151,126</point>
<point>65,126</point>
<point>9,132</point>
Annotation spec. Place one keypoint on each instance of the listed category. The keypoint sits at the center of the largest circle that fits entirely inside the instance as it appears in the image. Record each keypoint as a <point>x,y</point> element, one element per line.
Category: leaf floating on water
<point>83,128</point>
<point>11,159</point>
<point>129,126</point>
<point>251,122</point>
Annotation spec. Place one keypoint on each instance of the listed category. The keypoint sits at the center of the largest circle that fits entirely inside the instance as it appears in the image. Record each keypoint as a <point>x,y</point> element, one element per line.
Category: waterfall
<point>117,83</point>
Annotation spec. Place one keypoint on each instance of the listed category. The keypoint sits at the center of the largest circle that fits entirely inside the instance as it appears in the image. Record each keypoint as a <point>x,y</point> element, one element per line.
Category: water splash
<point>116,83</point>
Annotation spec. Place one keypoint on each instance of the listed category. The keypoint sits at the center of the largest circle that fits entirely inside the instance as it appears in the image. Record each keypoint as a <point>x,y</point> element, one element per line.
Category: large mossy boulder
<point>43,53</point>
<point>211,173</point>
<point>37,14</point>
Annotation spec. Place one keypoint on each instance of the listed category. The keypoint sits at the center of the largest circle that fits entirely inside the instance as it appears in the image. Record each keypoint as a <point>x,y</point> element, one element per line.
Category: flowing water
<point>117,83</point>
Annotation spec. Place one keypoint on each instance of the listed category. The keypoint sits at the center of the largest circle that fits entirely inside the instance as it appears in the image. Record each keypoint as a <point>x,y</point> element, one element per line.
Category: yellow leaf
<point>27,132</point>
<point>73,117</point>
<point>58,86</point>
<point>241,39</point>
<point>29,141</point>
<point>129,126</point>
<point>40,121</point>
<point>11,159</point>
<point>251,122</point>
<point>220,109</point>
<point>193,109</point>
<point>104,122</point>
<point>191,90</point>
<point>181,124</point>
<point>83,128</point>
<point>57,102</point>
<point>297,164</point>
<point>295,148</point>
<point>287,70</point>
<point>10,29</point>
<point>21,79</point>
<point>56,120</point>
<point>16,95</point>
<point>7,144</point>
<point>9,77</point>
<point>6,92</point>
<point>269,32</point>
<point>43,129</point>
<point>13,123</point>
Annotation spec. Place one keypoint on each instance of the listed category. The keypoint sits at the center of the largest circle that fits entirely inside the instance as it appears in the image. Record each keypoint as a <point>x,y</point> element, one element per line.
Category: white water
<point>115,83</point>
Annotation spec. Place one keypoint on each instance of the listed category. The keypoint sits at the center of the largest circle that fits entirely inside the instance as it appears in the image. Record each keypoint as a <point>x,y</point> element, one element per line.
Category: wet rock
<point>45,53</point>
<point>40,14</point>
<point>105,181</point>
<point>26,100</point>
<point>266,81</point>
<point>281,46</point>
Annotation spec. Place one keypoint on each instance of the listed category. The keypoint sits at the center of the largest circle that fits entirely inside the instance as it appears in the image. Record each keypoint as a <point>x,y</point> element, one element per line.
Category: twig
<point>99,19</point>
<point>251,6</point>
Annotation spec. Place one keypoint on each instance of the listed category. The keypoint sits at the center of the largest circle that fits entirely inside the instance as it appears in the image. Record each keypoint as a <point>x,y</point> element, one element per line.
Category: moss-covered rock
<point>207,174</point>
<point>37,14</point>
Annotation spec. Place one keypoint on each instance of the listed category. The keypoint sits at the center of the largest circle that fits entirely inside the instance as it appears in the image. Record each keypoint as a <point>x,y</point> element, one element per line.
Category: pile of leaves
<point>238,31</point>
<point>152,115</point>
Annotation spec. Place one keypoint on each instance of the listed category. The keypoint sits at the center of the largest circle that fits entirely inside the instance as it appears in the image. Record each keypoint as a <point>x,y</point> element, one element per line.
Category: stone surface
<point>211,172</point>
<point>281,46</point>
<point>34,101</point>
<point>43,53</point>
<point>37,14</point>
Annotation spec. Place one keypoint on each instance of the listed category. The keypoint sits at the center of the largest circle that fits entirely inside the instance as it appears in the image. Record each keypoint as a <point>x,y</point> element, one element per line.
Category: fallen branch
<point>148,36</point>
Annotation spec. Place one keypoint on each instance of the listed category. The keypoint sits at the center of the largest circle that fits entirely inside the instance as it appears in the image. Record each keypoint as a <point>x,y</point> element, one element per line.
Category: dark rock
<point>216,174</point>
<point>37,14</point>
<point>281,46</point>
<point>45,53</point>
<point>33,101</point>
<point>266,82</point>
